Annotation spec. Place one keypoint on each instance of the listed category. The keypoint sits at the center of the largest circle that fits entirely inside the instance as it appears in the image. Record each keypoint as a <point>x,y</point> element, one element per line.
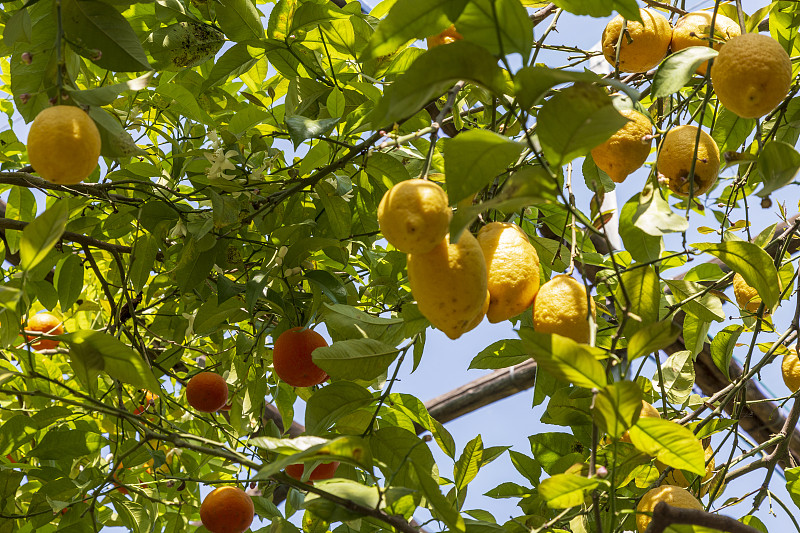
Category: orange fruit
<point>47,324</point>
<point>63,144</point>
<point>207,392</point>
<point>227,510</point>
<point>291,357</point>
<point>449,35</point>
<point>323,471</point>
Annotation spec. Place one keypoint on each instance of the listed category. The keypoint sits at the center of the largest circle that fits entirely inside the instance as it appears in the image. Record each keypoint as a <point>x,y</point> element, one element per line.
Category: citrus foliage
<point>246,148</point>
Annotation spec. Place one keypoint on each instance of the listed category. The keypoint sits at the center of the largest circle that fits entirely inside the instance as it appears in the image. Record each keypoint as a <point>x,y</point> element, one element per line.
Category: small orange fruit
<point>227,510</point>
<point>449,35</point>
<point>47,324</point>
<point>323,471</point>
<point>291,357</point>
<point>207,392</point>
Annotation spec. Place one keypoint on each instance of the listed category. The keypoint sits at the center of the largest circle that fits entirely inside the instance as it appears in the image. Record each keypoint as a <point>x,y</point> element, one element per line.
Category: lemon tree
<point>611,184</point>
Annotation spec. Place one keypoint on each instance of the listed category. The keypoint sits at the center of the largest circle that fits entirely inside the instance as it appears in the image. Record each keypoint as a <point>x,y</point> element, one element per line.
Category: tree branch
<point>7,223</point>
<point>665,515</point>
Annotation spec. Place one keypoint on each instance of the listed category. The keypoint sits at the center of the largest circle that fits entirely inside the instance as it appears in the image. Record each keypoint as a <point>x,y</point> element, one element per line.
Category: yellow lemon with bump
<point>626,150</point>
<point>694,29</point>
<point>512,266</point>
<point>414,216</point>
<point>563,307</point>
<point>643,44</point>
<point>670,494</point>
<point>678,149</point>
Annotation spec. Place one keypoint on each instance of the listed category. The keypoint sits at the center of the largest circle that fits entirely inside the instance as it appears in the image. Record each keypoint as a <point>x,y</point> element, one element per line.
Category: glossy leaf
<point>566,359</point>
<point>670,443</point>
<point>617,406</point>
<point>41,235</point>
<point>363,359</point>
<point>678,68</point>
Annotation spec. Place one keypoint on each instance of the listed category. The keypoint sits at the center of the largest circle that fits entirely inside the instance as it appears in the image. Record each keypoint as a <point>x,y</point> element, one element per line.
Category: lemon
<point>450,284</point>
<point>512,266</point>
<point>746,296</point>
<point>678,478</point>
<point>414,216</point>
<point>694,29</point>
<point>626,150</point>
<point>751,75</point>
<point>648,411</point>
<point>675,156</point>
<point>643,46</point>
<point>480,316</point>
<point>449,35</point>
<point>672,495</point>
<point>561,307</point>
<point>790,369</point>
<point>63,145</point>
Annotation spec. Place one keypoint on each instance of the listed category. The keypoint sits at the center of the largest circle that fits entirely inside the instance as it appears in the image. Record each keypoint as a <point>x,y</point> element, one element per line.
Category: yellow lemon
<point>512,266</point>
<point>678,478</point>
<point>561,307</point>
<point>672,495</point>
<point>648,411</point>
<point>694,29</point>
<point>626,150</point>
<point>449,35</point>
<point>746,296</point>
<point>790,369</point>
<point>63,144</point>
<point>450,284</point>
<point>751,75</point>
<point>643,45</point>
<point>414,216</point>
<point>675,156</point>
<point>479,317</point>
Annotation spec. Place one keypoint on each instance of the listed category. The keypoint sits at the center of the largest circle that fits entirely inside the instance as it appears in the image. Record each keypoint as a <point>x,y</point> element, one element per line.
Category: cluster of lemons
<point>495,275</point>
<point>751,75</point>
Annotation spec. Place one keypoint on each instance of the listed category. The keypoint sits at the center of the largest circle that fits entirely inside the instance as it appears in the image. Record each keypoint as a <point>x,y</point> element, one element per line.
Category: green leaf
<point>473,159</point>
<point>617,406</point>
<point>576,120</point>
<point>467,466</point>
<point>91,26</point>
<point>412,407</point>
<point>695,334</point>
<point>15,432</point>
<point>731,131</point>
<point>234,61</point>
<point>330,285</point>
<point>116,143</point>
<point>678,68</point>
<point>601,8</point>
<point>371,497</point>
<point>69,280</point>
<point>642,246</point>
<point>432,74</point>
<point>194,265</point>
<point>500,26</point>
<point>678,375</point>
<point>722,348</point>
<point>330,403</point>
<point>551,448</point>
<point>184,102</point>
<point>408,20</point>
<point>302,128</point>
<point>346,322</point>
<point>527,186</point>
<point>655,217</point>
<point>753,263</point>
<point>307,449</point>
<point>63,443</point>
<point>41,235</point>
<point>644,292</point>
<point>212,315</point>
<point>105,95</point>
<point>793,483</point>
<point>652,338</point>
<point>527,466</point>
<point>565,359</point>
<point>531,84</point>
<point>440,505</point>
<point>364,359</point>
<point>395,450</point>
<point>97,352</point>
<point>562,491</point>
<point>184,44</point>
<point>501,354</point>
<point>778,164</point>
<point>670,443</point>
<point>144,257</point>
<point>707,307</point>
<point>240,20</point>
